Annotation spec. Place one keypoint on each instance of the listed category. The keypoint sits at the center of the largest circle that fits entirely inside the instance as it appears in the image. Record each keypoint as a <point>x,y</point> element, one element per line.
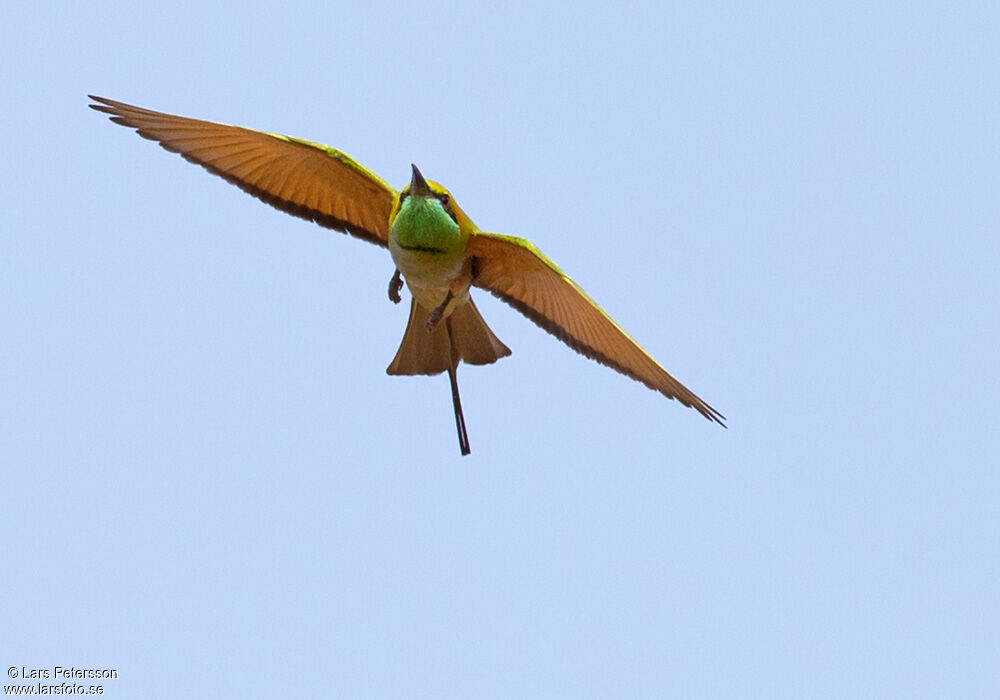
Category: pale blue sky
<point>212,485</point>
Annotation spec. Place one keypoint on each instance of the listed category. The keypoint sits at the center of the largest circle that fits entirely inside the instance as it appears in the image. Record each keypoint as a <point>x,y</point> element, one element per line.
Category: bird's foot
<point>395,284</point>
<point>437,313</point>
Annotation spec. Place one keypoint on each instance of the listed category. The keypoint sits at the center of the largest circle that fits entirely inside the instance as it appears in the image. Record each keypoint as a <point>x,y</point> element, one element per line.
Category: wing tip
<point>106,106</point>
<point>713,415</point>
<point>102,100</point>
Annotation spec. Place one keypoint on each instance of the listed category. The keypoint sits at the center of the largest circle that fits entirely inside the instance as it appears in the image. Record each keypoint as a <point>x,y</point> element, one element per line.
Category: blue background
<point>210,483</point>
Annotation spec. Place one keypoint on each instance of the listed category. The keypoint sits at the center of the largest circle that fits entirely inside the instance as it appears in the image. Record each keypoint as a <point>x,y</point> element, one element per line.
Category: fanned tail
<point>462,336</point>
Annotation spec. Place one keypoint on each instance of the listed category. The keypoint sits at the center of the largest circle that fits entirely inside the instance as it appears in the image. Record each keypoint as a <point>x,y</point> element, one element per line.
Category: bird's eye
<point>445,200</point>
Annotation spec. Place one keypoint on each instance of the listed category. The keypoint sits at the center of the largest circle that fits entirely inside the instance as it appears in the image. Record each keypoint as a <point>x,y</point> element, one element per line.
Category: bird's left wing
<point>517,272</point>
<point>301,178</point>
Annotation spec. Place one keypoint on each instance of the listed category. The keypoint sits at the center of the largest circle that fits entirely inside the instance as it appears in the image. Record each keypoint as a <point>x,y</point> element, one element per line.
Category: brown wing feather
<point>307,180</point>
<point>519,274</point>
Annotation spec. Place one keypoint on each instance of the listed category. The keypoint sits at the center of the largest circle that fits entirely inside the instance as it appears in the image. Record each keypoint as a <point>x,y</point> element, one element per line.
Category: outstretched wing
<point>305,179</point>
<point>518,273</point>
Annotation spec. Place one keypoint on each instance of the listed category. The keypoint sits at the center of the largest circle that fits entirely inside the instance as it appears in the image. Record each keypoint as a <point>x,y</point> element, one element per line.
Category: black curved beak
<point>418,185</point>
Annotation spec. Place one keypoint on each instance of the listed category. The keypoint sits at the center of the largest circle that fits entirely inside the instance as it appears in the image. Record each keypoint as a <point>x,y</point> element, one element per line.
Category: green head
<point>425,217</point>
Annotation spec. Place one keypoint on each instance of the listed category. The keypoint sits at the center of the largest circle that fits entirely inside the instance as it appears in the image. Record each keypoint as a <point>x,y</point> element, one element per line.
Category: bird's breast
<point>427,256</point>
<point>428,269</point>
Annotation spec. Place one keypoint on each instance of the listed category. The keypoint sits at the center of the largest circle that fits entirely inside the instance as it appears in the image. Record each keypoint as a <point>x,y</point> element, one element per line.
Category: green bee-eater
<point>435,246</point>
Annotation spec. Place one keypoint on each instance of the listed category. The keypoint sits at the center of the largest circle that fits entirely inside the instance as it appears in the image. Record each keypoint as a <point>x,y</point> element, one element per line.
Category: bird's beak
<point>419,186</point>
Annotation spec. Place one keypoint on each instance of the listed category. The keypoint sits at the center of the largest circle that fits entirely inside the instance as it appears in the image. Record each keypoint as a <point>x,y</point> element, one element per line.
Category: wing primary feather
<point>287,173</point>
<point>517,273</point>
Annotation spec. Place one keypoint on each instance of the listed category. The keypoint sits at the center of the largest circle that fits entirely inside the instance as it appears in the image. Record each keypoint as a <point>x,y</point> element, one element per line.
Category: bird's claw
<point>433,320</point>
<point>436,314</point>
<point>395,284</point>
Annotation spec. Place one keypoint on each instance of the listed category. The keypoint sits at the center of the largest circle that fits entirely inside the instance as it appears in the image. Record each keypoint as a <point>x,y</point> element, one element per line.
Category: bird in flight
<point>437,251</point>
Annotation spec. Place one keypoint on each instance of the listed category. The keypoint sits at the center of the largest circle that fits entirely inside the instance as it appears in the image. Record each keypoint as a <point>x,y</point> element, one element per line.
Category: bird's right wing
<point>301,178</point>
<point>517,272</point>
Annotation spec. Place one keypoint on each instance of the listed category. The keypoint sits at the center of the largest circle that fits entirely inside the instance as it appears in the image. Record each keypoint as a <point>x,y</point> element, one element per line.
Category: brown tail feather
<point>421,352</point>
<point>463,435</point>
<point>474,340</point>
<point>462,336</point>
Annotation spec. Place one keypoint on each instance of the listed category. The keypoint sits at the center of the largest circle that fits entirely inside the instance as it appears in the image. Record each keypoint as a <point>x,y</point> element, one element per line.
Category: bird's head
<point>427,199</point>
